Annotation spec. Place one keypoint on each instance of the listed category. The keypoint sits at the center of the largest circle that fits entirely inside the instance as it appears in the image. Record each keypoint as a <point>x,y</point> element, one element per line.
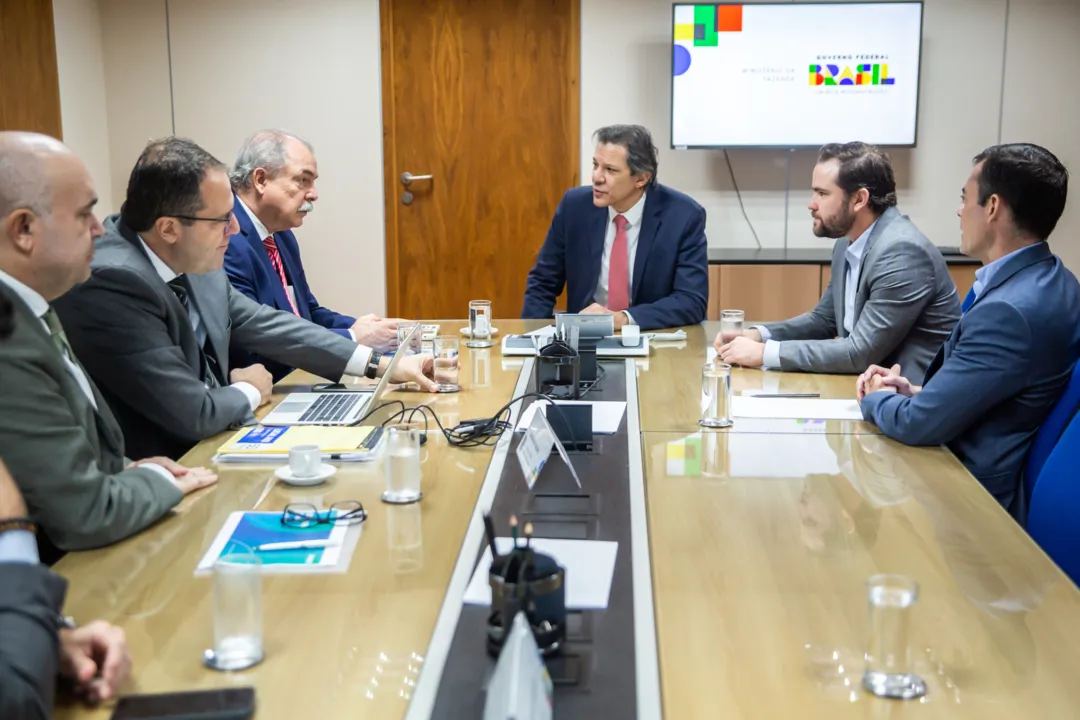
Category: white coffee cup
<point>631,334</point>
<point>305,461</point>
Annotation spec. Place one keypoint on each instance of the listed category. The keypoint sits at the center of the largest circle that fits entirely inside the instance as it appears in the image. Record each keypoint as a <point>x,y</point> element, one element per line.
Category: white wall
<point>625,69</point>
<point>81,68</point>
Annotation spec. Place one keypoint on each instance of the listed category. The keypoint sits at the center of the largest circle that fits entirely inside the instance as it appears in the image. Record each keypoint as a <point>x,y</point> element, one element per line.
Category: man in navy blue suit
<point>274,184</point>
<point>627,245</point>
<point>1009,358</point>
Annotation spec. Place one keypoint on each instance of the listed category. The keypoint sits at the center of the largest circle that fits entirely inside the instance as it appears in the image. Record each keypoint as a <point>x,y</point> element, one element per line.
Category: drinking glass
<point>731,325</point>
<point>888,649</point>
<point>715,395</point>
<point>402,466</point>
<point>480,324</point>
<point>446,363</point>
<point>237,612</point>
<point>403,330</point>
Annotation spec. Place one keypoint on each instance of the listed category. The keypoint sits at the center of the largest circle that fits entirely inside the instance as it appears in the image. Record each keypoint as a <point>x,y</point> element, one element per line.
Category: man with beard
<point>890,301</point>
<point>274,186</point>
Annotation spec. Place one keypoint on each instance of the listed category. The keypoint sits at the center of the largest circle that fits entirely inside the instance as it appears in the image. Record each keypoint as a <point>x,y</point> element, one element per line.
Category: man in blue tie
<point>274,184</point>
<point>1009,358</point>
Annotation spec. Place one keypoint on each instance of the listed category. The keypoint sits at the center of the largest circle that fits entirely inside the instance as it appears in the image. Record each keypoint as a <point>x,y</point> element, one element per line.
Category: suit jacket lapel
<point>207,298</point>
<point>247,230</point>
<point>839,275</point>
<point>650,226</point>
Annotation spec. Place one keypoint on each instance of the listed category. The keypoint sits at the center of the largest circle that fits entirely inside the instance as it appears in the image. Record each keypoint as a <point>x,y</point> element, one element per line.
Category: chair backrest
<point>1055,504</point>
<point>1051,429</point>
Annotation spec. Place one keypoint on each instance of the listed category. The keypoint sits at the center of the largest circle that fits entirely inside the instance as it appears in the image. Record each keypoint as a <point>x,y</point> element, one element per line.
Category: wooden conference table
<point>761,539</point>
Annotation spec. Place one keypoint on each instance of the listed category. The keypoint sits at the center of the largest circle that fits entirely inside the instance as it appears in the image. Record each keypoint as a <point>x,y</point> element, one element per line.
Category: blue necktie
<point>966,305</point>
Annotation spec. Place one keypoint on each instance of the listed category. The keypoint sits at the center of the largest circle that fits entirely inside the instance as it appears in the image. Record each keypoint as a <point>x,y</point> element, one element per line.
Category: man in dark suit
<point>154,322</point>
<point>57,433</point>
<point>627,245</point>
<point>274,181</point>
<point>890,299</point>
<point>1009,358</point>
<point>37,645</point>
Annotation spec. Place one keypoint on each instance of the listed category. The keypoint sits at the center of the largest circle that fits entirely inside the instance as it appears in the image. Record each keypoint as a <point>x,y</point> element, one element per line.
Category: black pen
<point>789,395</point>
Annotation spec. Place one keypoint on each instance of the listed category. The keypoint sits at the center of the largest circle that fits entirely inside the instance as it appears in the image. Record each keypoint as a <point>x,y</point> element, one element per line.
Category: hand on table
<point>419,369</point>
<point>742,351</point>
<point>96,659</point>
<point>187,479</point>
<point>598,309</point>
<point>879,379</point>
<point>256,376</point>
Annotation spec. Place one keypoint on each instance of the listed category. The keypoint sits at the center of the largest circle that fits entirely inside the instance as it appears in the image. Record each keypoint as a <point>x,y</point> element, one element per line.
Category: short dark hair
<point>165,182</point>
<point>863,166</point>
<point>640,151</point>
<point>1030,180</point>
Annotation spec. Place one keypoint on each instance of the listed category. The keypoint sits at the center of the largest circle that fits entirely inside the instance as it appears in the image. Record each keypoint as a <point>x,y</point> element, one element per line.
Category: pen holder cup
<point>541,594</point>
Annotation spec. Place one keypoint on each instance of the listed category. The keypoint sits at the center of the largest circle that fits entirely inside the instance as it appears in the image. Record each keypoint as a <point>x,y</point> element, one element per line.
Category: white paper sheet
<point>606,414</point>
<point>797,408</point>
<point>589,564</point>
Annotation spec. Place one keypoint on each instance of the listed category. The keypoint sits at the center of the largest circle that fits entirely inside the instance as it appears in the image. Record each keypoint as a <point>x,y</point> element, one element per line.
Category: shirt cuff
<point>254,397</point>
<point>160,471</point>
<point>629,318</point>
<point>772,354</point>
<point>18,546</point>
<point>352,335</point>
<point>765,334</point>
<point>358,363</point>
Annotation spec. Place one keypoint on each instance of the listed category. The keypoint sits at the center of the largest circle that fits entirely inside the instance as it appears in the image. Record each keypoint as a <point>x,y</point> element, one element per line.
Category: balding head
<point>47,224</point>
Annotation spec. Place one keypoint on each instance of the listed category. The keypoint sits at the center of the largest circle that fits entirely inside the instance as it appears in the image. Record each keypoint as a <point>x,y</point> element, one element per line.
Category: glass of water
<point>237,618</point>
<point>403,330</point>
<point>402,466</point>
<point>888,649</point>
<point>480,324</point>
<point>731,325</point>
<point>446,363</point>
<point>715,395</point>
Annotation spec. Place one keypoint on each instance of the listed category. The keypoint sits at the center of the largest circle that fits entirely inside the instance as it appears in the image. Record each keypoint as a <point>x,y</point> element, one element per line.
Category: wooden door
<point>29,83</point>
<point>483,96</point>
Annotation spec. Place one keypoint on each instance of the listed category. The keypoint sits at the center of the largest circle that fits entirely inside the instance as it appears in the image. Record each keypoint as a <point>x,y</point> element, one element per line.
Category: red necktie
<point>618,269</point>
<point>275,260</point>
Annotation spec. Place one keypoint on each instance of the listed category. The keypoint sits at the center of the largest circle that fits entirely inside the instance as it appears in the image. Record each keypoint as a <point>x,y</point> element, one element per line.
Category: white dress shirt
<point>39,306</point>
<point>633,232</point>
<point>263,234</point>
<point>166,273</point>
<point>853,254</point>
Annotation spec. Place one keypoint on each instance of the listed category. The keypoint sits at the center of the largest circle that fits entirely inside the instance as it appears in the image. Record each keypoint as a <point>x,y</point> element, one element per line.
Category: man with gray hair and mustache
<point>274,184</point>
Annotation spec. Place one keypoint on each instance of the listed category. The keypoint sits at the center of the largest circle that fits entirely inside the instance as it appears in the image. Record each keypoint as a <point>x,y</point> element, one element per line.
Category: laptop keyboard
<point>331,407</point>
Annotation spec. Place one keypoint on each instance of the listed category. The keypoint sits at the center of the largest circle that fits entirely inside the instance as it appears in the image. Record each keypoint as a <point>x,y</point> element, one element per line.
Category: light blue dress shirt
<point>854,255</point>
<point>986,273</point>
<point>18,546</point>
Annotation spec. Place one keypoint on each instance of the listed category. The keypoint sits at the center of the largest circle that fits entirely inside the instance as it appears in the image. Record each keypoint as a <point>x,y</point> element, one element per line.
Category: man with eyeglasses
<point>154,323</point>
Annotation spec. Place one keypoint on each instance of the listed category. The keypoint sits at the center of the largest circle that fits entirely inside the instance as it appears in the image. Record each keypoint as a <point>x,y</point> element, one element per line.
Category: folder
<point>262,443</point>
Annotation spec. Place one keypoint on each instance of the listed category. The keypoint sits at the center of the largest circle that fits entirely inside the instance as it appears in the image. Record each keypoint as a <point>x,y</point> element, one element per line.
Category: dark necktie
<point>211,373</point>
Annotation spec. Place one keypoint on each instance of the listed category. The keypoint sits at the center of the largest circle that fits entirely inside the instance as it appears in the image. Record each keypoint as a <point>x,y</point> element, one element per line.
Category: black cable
<point>738,194</point>
<point>600,374</point>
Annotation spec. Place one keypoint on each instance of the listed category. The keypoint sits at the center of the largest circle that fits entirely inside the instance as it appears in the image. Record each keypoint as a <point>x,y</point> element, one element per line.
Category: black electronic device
<point>226,704</point>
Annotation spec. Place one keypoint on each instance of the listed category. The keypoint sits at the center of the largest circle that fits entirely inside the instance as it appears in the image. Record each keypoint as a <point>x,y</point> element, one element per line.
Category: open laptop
<point>334,408</point>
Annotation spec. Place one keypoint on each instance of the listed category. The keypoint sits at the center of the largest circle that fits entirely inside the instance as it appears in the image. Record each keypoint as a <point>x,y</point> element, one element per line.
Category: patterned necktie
<point>212,379</point>
<point>618,269</point>
<point>968,300</point>
<point>275,260</point>
<point>59,337</point>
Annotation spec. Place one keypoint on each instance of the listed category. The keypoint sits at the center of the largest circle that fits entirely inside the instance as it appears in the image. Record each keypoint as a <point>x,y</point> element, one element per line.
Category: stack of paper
<point>262,443</point>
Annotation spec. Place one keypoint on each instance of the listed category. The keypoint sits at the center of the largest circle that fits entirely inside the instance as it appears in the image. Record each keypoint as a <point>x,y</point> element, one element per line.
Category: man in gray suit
<point>57,433</point>
<point>94,659</point>
<point>154,322</point>
<point>890,299</point>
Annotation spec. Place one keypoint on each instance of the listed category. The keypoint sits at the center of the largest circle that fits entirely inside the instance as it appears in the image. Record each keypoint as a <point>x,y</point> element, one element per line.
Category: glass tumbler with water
<point>731,325</point>
<point>403,330</point>
<point>479,323</point>
<point>446,363</point>
<point>715,395</point>
<point>888,650</point>
<point>402,466</point>
<point>237,607</point>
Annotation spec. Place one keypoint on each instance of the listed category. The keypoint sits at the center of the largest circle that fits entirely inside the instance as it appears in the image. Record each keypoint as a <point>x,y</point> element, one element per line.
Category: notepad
<point>243,532</point>
<point>273,443</point>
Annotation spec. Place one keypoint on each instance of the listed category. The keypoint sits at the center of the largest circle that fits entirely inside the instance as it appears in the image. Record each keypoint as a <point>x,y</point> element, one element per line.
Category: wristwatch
<point>66,622</point>
<point>19,523</point>
<point>372,370</point>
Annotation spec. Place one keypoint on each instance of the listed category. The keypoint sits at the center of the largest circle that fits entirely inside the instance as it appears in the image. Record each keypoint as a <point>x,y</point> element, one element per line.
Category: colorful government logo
<point>864,74</point>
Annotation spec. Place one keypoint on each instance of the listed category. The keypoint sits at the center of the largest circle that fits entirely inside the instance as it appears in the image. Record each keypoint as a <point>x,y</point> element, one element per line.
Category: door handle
<point>407,178</point>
